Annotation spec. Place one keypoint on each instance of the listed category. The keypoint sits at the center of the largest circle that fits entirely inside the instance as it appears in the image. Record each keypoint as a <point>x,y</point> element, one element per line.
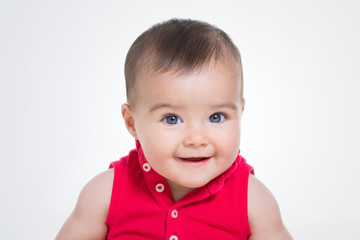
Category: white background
<point>62,86</point>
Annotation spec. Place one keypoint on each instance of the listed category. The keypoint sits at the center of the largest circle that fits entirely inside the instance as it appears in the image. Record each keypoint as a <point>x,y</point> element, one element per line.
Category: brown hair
<point>181,45</point>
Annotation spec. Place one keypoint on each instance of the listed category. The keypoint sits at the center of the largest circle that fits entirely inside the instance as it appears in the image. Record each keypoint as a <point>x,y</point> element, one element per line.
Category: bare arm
<point>87,221</point>
<point>264,214</point>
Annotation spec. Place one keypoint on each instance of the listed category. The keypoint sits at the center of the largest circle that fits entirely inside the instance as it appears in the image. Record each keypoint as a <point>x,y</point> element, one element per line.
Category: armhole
<point>247,209</point>
<point>246,170</point>
<point>114,192</point>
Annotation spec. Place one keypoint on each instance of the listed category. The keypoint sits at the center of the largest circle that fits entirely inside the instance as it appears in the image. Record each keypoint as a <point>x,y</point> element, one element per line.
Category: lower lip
<point>195,163</point>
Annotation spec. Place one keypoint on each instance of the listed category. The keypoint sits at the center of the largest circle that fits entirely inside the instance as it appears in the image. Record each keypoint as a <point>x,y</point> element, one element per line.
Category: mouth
<point>195,160</point>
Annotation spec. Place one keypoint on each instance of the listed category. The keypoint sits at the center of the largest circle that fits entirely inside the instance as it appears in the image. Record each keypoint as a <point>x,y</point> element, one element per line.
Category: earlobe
<point>129,119</point>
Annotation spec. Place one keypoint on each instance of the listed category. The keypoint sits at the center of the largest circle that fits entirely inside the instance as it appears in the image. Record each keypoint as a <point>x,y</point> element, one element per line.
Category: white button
<point>146,167</point>
<point>159,187</point>
<point>173,237</point>
<point>174,213</point>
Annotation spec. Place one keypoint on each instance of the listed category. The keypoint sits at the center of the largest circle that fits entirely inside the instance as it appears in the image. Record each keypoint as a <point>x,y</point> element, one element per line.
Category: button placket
<point>173,237</point>
<point>146,167</point>
<point>174,213</point>
<point>160,187</point>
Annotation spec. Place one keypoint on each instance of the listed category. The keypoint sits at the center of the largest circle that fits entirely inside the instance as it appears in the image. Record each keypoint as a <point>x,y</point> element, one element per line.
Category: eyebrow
<point>163,105</point>
<point>225,105</point>
<point>172,106</point>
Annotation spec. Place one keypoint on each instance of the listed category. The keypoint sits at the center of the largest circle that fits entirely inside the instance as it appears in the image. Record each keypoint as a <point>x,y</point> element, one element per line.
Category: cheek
<point>230,133</point>
<point>156,141</point>
<point>229,139</point>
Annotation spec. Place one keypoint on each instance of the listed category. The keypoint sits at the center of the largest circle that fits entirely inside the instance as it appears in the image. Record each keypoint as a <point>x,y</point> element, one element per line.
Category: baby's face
<point>189,125</point>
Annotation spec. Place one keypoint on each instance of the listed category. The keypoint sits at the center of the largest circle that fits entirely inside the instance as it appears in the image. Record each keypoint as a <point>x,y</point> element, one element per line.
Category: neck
<point>178,191</point>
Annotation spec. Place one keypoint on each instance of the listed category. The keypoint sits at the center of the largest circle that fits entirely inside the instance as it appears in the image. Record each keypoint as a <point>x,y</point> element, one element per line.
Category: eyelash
<point>169,116</point>
<point>166,119</point>
<point>222,117</point>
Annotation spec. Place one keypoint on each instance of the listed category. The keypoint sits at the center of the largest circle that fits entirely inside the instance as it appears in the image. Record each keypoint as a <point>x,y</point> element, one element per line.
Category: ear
<point>129,119</point>
<point>242,104</point>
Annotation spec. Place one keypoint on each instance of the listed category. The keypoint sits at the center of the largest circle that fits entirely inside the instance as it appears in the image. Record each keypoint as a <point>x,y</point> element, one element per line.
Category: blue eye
<point>216,118</point>
<point>172,119</point>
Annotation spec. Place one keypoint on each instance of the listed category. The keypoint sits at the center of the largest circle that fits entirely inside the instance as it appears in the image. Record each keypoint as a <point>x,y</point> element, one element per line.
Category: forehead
<point>213,82</point>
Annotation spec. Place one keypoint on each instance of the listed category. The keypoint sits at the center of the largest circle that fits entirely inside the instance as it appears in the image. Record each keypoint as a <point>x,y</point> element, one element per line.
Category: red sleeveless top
<point>142,206</point>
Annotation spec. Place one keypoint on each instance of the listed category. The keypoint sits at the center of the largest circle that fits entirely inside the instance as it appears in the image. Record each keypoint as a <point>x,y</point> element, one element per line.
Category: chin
<point>194,185</point>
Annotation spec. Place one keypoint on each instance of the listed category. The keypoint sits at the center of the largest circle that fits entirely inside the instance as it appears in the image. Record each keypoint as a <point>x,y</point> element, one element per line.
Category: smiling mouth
<point>195,160</point>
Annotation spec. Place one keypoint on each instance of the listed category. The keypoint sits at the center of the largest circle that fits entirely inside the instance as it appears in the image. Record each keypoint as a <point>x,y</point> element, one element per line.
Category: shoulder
<point>88,220</point>
<point>264,214</point>
<point>97,192</point>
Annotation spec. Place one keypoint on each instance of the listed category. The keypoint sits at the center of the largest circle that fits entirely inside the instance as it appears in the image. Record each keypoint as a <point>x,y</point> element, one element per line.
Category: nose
<point>195,137</point>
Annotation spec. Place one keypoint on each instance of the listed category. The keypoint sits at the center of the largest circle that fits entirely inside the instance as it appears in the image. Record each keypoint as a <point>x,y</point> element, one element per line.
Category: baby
<point>185,179</point>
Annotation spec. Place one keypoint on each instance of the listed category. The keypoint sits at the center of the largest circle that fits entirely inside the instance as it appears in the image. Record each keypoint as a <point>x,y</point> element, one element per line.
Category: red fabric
<point>137,211</point>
